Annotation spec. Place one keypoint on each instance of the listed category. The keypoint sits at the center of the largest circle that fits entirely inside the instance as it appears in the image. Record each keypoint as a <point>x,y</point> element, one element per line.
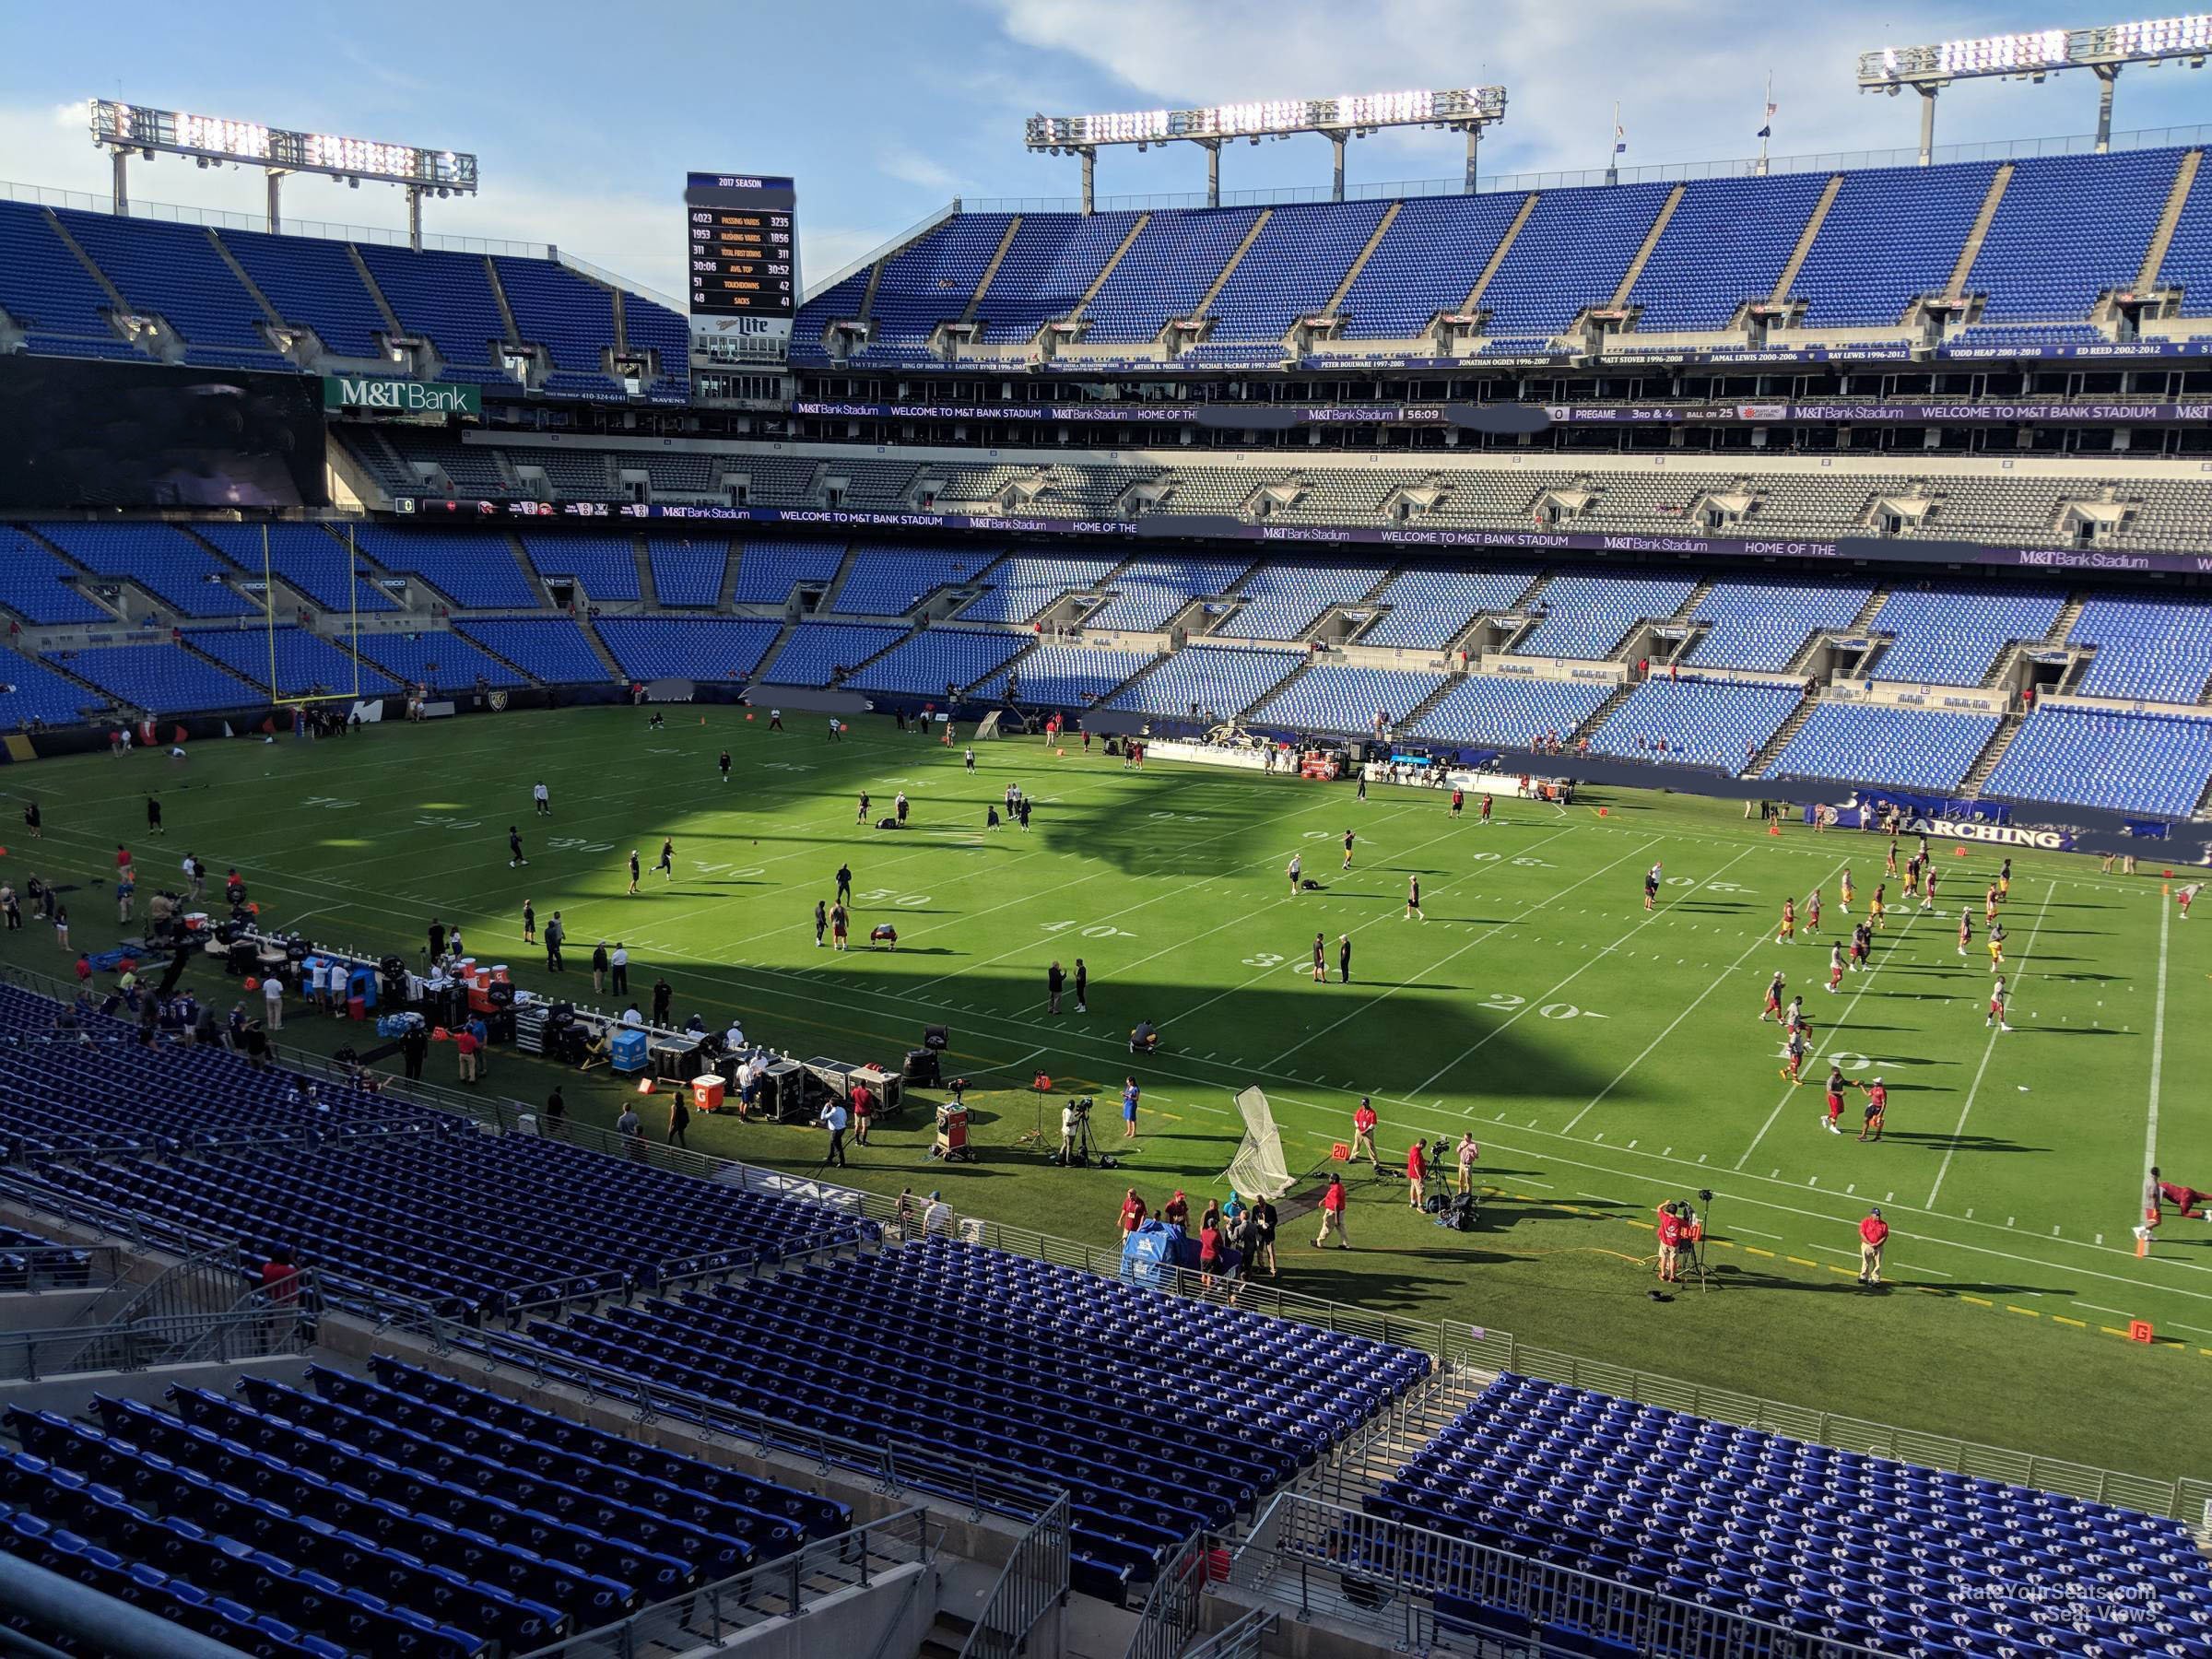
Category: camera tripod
<point>1697,1248</point>
<point>1082,1149</point>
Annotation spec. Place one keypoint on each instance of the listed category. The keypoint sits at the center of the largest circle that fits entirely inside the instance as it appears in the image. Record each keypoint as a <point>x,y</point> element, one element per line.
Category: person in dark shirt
<point>1054,978</point>
<point>555,935</point>
<point>437,938</point>
<point>662,995</point>
<point>414,1048</point>
<point>1082,987</point>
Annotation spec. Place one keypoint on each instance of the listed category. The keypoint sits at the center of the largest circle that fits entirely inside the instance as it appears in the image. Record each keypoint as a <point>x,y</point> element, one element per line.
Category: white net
<point>1258,1170</point>
<point>988,726</point>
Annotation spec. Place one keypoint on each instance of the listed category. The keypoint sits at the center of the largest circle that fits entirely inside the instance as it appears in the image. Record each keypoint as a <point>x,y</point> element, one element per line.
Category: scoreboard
<point>742,247</point>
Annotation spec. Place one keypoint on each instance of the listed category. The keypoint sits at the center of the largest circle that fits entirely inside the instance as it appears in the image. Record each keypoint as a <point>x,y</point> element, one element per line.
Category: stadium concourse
<point>1607,506</point>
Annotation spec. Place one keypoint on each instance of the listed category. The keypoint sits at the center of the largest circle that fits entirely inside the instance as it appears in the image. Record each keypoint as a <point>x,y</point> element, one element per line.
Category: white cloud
<point>910,167</point>
<point>1690,74</point>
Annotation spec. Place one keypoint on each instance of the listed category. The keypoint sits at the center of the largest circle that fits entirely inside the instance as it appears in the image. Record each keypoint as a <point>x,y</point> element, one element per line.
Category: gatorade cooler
<point>196,922</point>
<point>630,1050</point>
<point>706,1092</point>
<point>498,974</point>
<point>356,1007</point>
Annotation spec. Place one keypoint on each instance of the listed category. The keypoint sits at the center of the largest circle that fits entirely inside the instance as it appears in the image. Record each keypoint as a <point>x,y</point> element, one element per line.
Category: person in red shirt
<point>122,860</point>
<point>1486,809</point>
<point>1332,1215</point>
<point>2159,1191</point>
<point>1873,1232</point>
<point>1669,1232</point>
<point>464,1047</point>
<point>280,1279</point>
<point>1459,799</point>
<point>1133,1211</point>
<point>1417,1173</point>
<point>1878,1106</point>
<point>1176,1212</point>
<point>1363,1132</point>
<point>1835,1102</point>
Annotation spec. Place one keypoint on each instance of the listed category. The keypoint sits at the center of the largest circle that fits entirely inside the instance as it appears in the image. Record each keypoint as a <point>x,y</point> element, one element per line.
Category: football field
<point>1606,1058</point>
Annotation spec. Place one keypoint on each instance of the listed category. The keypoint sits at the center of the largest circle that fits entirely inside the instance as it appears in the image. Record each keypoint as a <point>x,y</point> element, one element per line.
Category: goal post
<point>278,694</point>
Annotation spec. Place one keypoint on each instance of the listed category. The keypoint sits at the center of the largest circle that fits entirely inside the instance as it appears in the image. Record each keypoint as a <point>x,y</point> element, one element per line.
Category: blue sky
<point>586,116</point>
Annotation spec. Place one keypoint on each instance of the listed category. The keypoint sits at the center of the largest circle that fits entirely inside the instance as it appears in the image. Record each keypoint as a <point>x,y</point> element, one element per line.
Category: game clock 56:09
<point>741,244</point>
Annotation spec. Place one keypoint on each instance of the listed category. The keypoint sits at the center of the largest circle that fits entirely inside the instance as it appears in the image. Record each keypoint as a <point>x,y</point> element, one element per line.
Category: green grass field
<point>1606,1058</point>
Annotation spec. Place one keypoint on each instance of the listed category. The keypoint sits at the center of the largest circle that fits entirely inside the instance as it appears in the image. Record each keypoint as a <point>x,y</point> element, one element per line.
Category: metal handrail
<point>1033,1583</point>
<point>1169,1616</point>
<point>160,1339</point>
<point>783,1588</point>
<point>1454,1343</point>
<point>48,1268</point>
<point>1385,1576</point>
<point>884,250</point>
<point>1243,1639</point>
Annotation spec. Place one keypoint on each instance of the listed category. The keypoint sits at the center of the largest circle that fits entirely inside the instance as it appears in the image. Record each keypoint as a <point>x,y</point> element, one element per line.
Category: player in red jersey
<point>1774,990</point>
<point>1835,967</point>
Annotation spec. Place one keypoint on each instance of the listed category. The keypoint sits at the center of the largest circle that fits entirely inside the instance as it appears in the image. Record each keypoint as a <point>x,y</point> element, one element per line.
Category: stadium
<point>1328,920</point>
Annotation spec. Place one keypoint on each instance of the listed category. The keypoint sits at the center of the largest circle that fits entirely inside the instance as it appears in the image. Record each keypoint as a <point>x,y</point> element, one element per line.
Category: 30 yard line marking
<point>1758,940</point>
<point>1988,1050</point>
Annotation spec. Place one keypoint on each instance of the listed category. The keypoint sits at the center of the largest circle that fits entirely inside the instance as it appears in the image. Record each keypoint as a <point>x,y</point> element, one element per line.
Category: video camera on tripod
<point>1077,1147</point>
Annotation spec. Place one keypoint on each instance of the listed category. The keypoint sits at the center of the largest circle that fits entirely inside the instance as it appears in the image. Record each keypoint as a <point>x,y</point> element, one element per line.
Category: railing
<point>1471,1347</point>
<point>41,1269</point>
<point>1170,1617</point>
<point>2004,150</point>
<point>1385,1578</point>
<point>1241,1639</point>
<point>224,220</point>
<point>928,221</point>
<point>779,1589</point>
<point>163,1339</point>
<point>1033,1584</point>
<point>895,1468</point>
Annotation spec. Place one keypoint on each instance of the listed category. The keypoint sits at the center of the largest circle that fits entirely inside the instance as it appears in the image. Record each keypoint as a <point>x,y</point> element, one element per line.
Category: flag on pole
<point>1620,139</point>
<point>1767,127</point>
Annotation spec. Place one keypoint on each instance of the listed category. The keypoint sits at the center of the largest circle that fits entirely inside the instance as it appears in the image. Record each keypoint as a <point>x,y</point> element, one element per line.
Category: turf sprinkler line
<point>1989,1051</point>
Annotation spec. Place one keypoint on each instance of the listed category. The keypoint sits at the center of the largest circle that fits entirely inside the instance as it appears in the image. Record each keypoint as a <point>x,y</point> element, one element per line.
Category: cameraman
<point>1670,1241</point>
<point>1070,1123</point>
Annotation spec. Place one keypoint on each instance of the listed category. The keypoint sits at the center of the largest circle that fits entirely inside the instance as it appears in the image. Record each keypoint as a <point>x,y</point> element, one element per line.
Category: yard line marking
<point>1755,1232</point>
<point>371,898</point>
<point>2158,1042</point>
<point>1757,940</point>
<point>1549,995</point>
<point>1371,921</point>
<point>1827,1045</point>
<point>1988,1050</point>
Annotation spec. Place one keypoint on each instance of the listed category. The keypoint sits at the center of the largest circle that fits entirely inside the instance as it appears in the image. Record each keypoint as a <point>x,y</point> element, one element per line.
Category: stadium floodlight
<point>210,140</point>
<point>2030,54</point>
<point>1459,109</point>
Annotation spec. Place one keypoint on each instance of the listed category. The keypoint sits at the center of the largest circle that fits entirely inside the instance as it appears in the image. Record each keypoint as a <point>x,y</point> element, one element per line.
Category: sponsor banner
<point>399,396</point>
<point>1843,550</point>
<point>1509,418</point>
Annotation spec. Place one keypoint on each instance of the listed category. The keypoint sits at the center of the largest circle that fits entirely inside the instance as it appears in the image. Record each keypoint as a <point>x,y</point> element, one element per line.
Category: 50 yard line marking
<point>1988,1050</point>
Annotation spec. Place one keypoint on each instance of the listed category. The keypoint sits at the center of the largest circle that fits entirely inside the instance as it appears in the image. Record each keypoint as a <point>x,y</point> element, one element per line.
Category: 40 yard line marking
<point>1988,1050</point>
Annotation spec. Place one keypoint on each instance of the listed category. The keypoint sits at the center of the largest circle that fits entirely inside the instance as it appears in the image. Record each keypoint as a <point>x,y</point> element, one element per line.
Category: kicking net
<point>1258,1170</point>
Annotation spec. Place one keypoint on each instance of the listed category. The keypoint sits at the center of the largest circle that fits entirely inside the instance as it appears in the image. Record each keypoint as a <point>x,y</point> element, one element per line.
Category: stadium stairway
<point>606,658</point>
<point>530,580</point>
<point>828,602</point>
<point>1782,734</point>
<point>1273,691</point>
<point>133,600</point>
<point>1368,1460</point>
<point>1603,712</point>
<point>1420,712</point>
<point>646,591</point>
<point>527,675</point>
<point>1992,752</point>
<point>767,657</point>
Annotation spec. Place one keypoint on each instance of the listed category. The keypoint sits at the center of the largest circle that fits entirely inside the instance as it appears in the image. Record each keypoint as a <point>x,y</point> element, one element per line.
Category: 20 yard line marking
<point>1643,923</point>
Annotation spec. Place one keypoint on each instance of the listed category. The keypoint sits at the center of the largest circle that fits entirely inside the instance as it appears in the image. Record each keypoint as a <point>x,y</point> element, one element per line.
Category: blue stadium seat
<point>304,663</point>
<point>1879,742</point>
<point>1588,616</point>
<point>1510,709</point>
<point>693,648</point>
<point>1208,682</point>
<point>160,558</point>
<point>688,571</point>
<point>1695,722</point>
<point>1337,697</point>
<point>817,650</point>
<point>2122,762</point>
<point>1067,676</point>
<point>924,663</point>
<point>551,650</point>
